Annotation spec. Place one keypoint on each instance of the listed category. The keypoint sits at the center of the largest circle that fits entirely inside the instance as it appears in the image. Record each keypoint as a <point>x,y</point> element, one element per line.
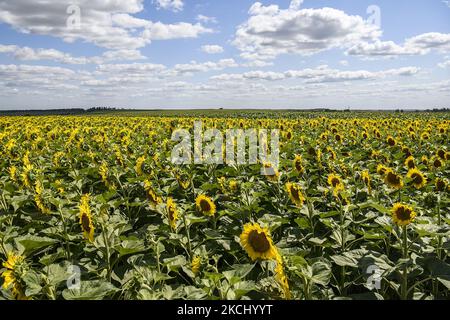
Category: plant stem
<point>186,227</point>
<point>108,257</point>
<point>404,287</point>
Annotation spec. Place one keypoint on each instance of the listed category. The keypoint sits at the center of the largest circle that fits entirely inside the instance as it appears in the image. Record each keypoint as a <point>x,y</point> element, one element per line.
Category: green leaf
<point>90,290</point>
<point>31,243</point>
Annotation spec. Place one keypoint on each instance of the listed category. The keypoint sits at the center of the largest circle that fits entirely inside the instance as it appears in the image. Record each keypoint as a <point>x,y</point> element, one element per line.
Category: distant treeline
<point>49,112</point>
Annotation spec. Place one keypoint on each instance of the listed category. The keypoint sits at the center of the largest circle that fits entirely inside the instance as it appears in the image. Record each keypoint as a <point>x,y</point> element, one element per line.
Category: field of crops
<point>92,207</point>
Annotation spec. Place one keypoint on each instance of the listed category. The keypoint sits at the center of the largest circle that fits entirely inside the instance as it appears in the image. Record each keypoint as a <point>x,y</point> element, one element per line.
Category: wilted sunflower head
<point>392,179</point>
<point>409,163</point>
<point>418,179</point>
<point>295,193</point>
<point>402,215</point>
<point>257,242</point>
<point>205,205</point>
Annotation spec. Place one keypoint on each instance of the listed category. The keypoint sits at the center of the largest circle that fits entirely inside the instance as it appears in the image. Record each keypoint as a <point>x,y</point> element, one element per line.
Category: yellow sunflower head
<point>410,163</point>
<point>437,163</point>
<point>335,182</point>
<point>205,205</point>
<point>381,169</point>
<point>402,215</point>
<point>393,180</point>
<point>391,141</point>
<point>257,242</point>
<point>418,179</point>
<point>441,185</point>
<point>172,212</point>
<point>14,265</point>
<point>196,264</point>
<point>295,193</point>
<point>151,194</point>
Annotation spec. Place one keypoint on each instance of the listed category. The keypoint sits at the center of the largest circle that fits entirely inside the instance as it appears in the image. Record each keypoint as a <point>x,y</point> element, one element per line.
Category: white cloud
<point>321,74</point>
<point>445,64</point>
<point>447,3</point>
<point>105,23</point>
<point>173,5</point>
<point>205,19</point>
<point>212,49</point>
<point>271,31</point>
<point>29,54</point>
<point>194,67</point>
<point>418,45</point>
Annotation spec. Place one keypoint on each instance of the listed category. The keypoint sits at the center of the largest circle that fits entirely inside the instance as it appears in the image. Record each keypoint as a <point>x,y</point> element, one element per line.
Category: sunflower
<point>196,264</point>
<point>271,172</point>
<point>205,205</point>
<point>402,215</point>
<point>183,181</point>
<point>393,180</point>
<point>152,196</point>
<point>425,160</point>
<point>441,154</point>
<point>295,193</point>
<point>390,141</point>
<point>410,163</point>
<point>441,185</point>
<point>298,164</point>
<point>367,180</point>
<point>437,163</point>
<point>381,170</point>
<point>86,219</point>
<point>11,276</point>
<point>281,277</point>
<point>234,185</point>
<point>139,164</point>
<point>335,182</point>
<point>257,242</point>
<point>418,179</point>
<point>172,213</point>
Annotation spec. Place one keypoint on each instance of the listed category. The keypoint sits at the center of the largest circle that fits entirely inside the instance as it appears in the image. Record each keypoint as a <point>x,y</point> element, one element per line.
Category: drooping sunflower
<point>151,194</point>
<point>410,163</point>
<point>139,164</point>
<point>257,242</point>
<point>183,181</point>
<point>335,182</point>
<point>172,213</point>
<point>11,276</point>
<point>393,180</point>
<point>367,180</point>
<point>418,179</point>
<point>205,205</point>
<point>298,164</point>
<point>402,215</point>
<point>295,193</point>
<point>86,223</point>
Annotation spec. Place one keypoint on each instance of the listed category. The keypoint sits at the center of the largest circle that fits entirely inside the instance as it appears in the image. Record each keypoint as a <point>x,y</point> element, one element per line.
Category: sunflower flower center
<point>205,206</point>
<point>258,241</point>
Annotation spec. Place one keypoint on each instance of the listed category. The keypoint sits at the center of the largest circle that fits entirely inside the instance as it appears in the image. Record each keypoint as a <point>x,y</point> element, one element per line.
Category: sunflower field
<point>92,207</point>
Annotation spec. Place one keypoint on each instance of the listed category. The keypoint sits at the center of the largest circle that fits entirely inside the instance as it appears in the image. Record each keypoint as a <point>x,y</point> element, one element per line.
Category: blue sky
<point>234,54</point>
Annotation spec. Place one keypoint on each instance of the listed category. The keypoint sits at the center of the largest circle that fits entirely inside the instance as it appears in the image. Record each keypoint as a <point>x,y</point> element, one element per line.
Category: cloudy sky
<point>224,53</point>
